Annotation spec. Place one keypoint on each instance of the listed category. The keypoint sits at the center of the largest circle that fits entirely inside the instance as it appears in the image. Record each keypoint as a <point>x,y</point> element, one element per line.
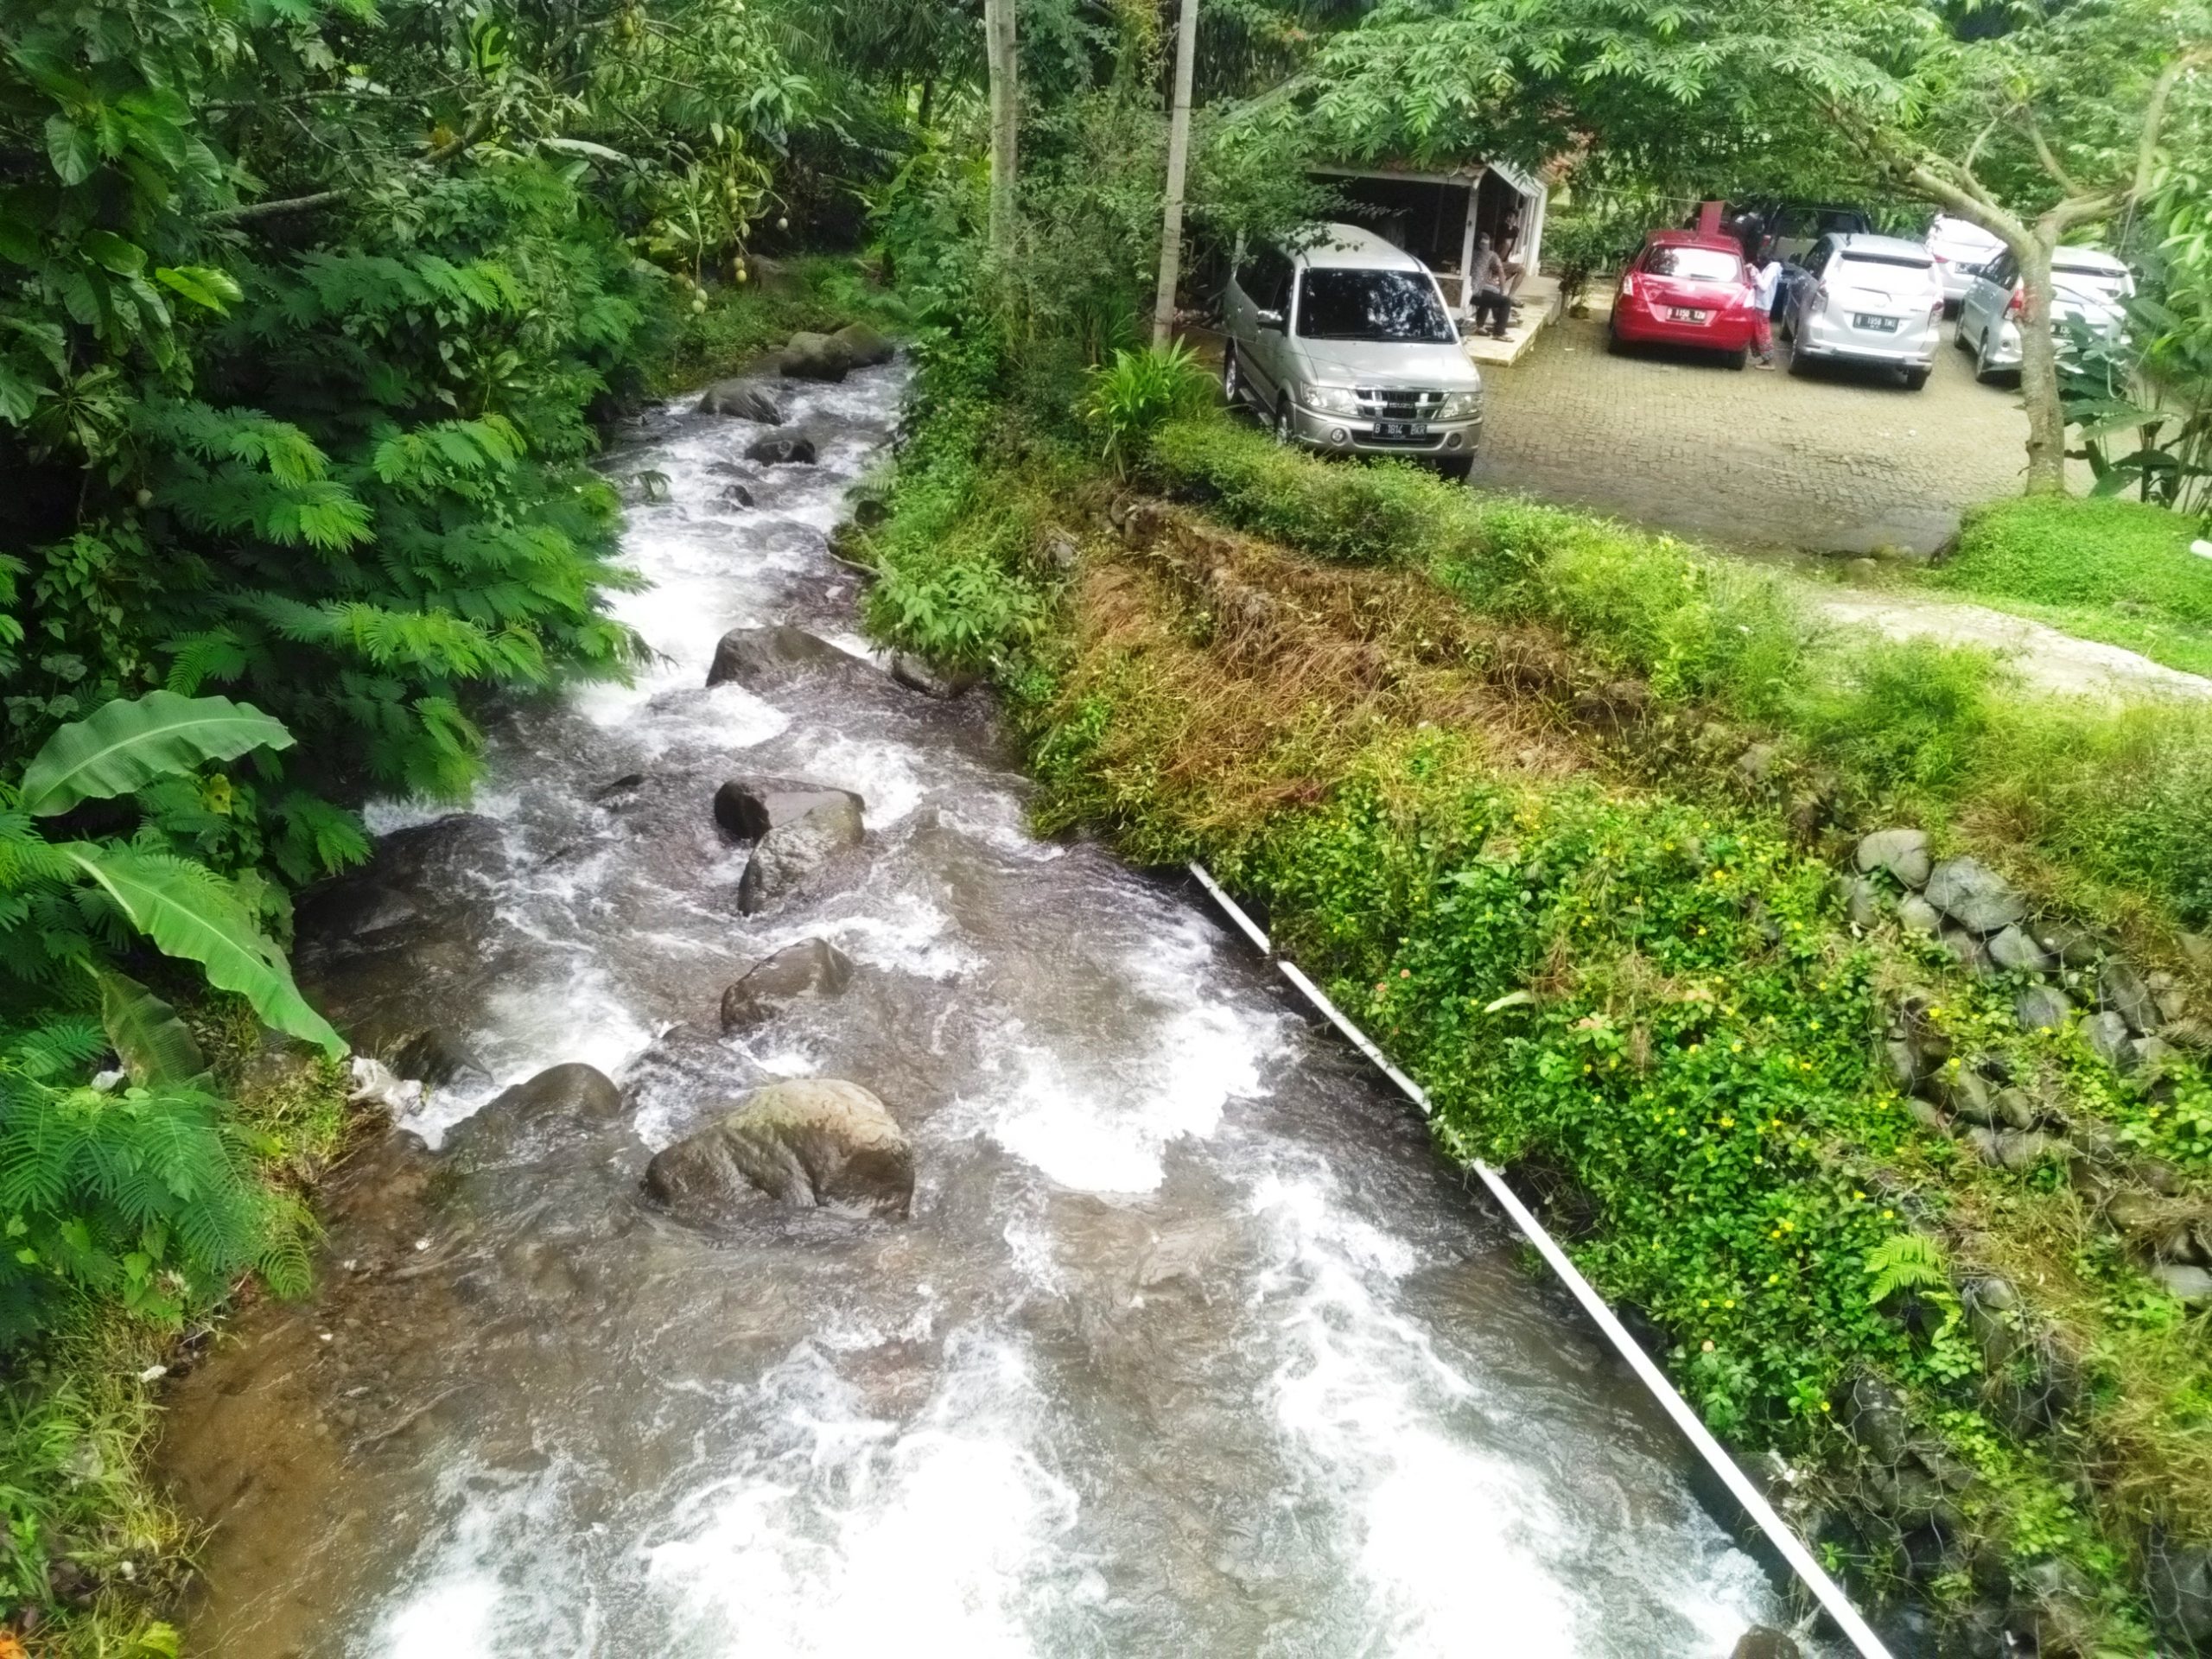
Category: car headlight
<point>1460,406</point>
<point>1331,400</point>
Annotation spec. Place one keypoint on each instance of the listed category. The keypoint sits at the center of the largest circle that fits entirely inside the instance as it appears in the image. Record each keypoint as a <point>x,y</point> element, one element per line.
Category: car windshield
<point>1695,264</point>
<point>1393,306</point>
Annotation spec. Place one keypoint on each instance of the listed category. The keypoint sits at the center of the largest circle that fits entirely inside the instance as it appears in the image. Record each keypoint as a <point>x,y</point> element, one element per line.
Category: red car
<point>1686,288</point>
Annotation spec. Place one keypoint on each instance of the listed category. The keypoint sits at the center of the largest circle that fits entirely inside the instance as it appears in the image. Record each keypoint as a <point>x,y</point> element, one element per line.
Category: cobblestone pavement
<point>1842,460</point>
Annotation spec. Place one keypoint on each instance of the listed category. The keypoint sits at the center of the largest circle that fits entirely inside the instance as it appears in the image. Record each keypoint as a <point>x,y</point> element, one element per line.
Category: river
<point>1191,1344</point>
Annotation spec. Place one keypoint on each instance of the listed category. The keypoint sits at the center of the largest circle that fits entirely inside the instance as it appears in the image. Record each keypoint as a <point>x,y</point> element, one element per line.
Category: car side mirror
<point>1267,318</point>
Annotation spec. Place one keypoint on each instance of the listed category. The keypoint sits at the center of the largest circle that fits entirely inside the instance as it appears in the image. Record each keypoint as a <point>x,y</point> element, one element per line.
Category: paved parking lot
<point>1837,461</point>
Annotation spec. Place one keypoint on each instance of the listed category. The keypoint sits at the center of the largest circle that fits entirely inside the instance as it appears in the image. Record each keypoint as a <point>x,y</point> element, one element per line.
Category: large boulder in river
<point>569,1092</point>
<point>818,1142</point>
<point>757,657</point>
<point>817,357</point>
<point>748,808</point>
<point>794,849</point>
<point>747,400</point>
<point>809,969</point>
<point>864,347</point>
<point>780,449</point>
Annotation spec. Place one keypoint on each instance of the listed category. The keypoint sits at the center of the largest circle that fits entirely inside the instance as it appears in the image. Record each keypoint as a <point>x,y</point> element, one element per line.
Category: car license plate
<point>1402,429</point>
<point>1681,313</point>
<point>1875,325</point>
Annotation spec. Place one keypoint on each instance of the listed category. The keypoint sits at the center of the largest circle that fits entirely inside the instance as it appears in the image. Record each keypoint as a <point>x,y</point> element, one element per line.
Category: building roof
<point>1357,247</point>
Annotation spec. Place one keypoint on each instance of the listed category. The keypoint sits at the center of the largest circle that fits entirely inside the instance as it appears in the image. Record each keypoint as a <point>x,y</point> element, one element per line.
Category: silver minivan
<point>2087,287</point>
<point>1346,346</point>
<point>1866,299</point>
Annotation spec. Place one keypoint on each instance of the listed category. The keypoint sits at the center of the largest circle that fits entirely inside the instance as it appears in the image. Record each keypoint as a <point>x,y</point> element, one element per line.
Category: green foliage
<point>126,745</point>
<point>1130,399</point>
<point>2120,571</point>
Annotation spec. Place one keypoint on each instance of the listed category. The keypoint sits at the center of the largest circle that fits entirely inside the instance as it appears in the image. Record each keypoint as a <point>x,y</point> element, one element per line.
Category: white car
<point>2087,287</point>
<point>1960,248</point>
<point>1865,299</point>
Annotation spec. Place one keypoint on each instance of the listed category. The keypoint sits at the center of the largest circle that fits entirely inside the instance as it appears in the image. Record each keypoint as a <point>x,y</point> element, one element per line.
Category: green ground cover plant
<point>2117,571</point>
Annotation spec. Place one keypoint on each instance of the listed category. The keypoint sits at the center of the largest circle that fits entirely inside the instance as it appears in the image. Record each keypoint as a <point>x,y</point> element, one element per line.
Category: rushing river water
<point>1190,1346</point>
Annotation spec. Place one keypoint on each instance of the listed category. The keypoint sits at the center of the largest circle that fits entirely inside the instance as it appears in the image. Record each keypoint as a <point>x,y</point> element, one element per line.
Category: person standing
<point>1765,280</point>
<point>1486,281</point>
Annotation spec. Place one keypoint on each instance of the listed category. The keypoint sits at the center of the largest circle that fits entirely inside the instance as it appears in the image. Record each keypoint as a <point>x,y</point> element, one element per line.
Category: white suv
<point>1347,346</point>
<point>1866,299</point>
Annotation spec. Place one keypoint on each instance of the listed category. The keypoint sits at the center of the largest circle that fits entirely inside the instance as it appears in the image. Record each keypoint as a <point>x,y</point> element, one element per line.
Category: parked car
<point>1346,346</point>
<point>1686,288</point>
<point>1960,248</point>
<point>1791,228</point>
<point>2087,287</point>
<point>1865,299</point>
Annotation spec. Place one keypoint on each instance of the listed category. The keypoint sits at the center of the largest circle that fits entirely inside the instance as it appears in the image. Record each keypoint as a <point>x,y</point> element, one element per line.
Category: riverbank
<point>1563,815</point>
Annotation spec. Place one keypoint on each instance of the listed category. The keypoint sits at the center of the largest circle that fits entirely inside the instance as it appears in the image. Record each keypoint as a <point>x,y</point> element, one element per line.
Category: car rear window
<point>1393,306</point>
<point>1695,264</point>
<point>1904,261</point>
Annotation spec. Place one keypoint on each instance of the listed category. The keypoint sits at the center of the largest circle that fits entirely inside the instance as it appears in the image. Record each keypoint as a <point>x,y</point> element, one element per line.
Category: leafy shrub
<point>1138,392</point>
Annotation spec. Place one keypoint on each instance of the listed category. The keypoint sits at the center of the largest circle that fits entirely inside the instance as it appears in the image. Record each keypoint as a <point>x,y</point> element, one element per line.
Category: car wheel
<point>1982,371</point>
<point>1915,379</point>
<point>1737,358</point>
<point>1614,343</point>
<point>1285,427</point>
<point>1959,334</point>
<point>1232,378</point>
<point>1799,360</point>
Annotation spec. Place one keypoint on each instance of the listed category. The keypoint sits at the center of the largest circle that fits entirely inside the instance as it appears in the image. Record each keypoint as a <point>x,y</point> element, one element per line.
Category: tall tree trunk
<point>1178,158</point>
<point>2039,365</point>
<point>999,45</point>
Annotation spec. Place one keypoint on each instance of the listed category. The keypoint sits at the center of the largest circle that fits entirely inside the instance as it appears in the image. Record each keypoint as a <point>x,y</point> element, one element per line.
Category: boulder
<point>1970,949</point>
<point>863,347</point>
<point>1917,915</point>
<point>1904,1063</point>
<point>2121,989</point>
<point>1901,852</point>
<point>747,400</point>
<point>438,1059</point>
<point>1756,763</point>
<point>735,495</point>
<point>1968,1095</point>
<point>2192,1032</point>
<point>2183,1279</point>
<point>2043,1007</point>
<point>815,357</point>
<point>2107,1033</point>
<point>1873,1415</point>
<point>1762,1642</point>
<point>916,674</point>
<point>1974,896</point>
<point>748,808</point>
<point>781,449</point>
<point>2077,947</point>
<point>1927,1116</point>
<point>2167,991</point>
<point>756,656</point>
<point>817,1143</point>
<point>2015,1110</point>
<point>811,968</point>
<point>2011,949</point>
<point>1994,1316</point>
<point>1862,901</point>
<point>792,852</point>
<point>568,1091</point>
<point>2177,1582</point>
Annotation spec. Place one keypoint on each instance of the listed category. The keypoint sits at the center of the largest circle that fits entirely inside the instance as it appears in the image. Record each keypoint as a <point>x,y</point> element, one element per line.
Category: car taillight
<point>1628,286</point>
<point>1821,297</point>
<point>2017,303</point>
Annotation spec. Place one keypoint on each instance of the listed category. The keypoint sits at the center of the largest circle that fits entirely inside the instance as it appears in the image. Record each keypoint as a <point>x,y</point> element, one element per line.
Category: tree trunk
<point>999,46</point>
<point>2039,365</point>
<point>1178,158</point>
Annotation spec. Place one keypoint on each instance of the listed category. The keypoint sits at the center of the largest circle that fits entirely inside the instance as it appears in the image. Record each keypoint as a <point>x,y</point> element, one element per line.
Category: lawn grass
<point>2120,572</point>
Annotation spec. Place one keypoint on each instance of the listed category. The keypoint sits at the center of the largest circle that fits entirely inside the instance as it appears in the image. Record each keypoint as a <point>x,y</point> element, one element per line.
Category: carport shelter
<point>1436,216</point>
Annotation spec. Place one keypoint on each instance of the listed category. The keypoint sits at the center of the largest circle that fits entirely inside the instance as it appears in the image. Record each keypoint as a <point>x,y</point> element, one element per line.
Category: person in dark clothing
<point>1486,282</point>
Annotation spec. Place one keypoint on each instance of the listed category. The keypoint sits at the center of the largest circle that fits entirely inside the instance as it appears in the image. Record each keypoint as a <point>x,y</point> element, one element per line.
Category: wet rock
<point>1762,1642</point>
<point>808,356</point>
<point>2011,949</point>
<point>1862,902</point>
<point>782,449</point>
<point>1974,896</point>
<point>757,657</point>
<point>1917,915</point>
<point>628,783</point>
<point>793,851</point>
<point>2120,990</point>
<point>821,1142</point>
<point>747,400</point>
<point>2107,1033</point>
<point>736,495</point>
<point>2043,1007</point>
<point>863,347</point>
<point>2184,1281</point>
<point>438,1059</point>
<point>2177,1582</point>
<point>811,968</point>
<point>1901,852</point>
<point>916,674</point>
<point>569,1092</point>
<point>748,808</point>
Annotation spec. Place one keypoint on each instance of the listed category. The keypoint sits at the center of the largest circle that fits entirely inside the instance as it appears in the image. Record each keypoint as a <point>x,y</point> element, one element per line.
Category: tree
<point>2036,124</point>
<point>1004,61</point>
<point>1178,157</point>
